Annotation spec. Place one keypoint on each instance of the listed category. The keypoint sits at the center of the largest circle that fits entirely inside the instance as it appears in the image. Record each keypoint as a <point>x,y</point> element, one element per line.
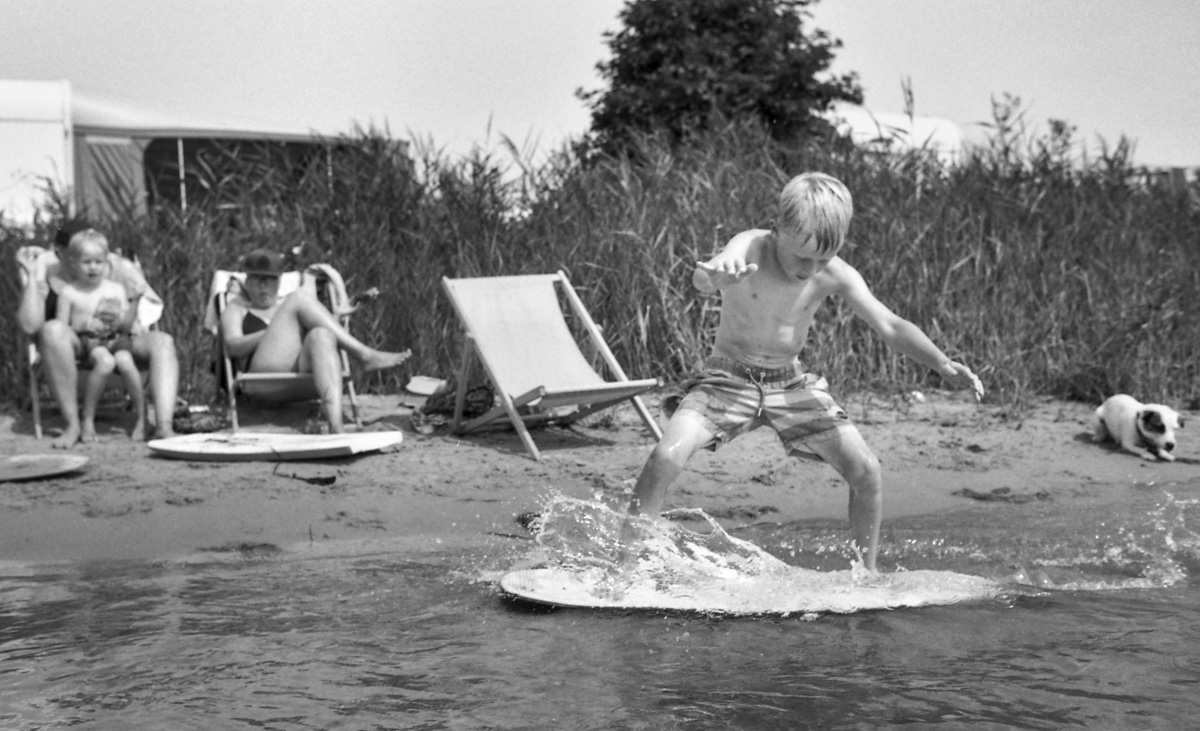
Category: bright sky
<point>462,72</point>
<point>1110,67</point>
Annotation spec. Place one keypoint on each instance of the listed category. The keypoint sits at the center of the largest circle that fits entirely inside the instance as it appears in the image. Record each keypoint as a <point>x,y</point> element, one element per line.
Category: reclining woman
<point>296,333</point>
<point>41,281</point>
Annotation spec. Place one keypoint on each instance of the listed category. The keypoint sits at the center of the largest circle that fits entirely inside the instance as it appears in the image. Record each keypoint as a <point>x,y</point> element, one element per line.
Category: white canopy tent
<point>93,150</point>
<point>895,132</point>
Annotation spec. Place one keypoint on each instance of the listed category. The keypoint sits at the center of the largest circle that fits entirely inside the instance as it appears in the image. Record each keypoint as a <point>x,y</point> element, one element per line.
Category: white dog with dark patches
<point>1147,430</point>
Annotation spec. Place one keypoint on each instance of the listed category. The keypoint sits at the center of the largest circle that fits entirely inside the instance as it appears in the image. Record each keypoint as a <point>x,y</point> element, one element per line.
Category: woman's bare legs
<point>300,313</point>
<point>56,344</point>
<point>321,358</point>
<point>305,337</point>
<point>158,349</point>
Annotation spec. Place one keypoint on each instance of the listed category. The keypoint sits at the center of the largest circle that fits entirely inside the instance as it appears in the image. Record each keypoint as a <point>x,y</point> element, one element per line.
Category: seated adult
<point>57,342</point>
<point>296,333</point>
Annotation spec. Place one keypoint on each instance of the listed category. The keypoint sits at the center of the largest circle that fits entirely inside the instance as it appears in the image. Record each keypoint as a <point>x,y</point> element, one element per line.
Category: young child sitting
<point>772,283</point>
<point>98,311</point>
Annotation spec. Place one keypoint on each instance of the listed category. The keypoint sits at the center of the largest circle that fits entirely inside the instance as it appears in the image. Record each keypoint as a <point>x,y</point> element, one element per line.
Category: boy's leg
<point>847,452</point>
<point>133,385</point>
<point>158,349</point>
<point>58,344</point>
<point>102,367</point>
<point>685,433</point>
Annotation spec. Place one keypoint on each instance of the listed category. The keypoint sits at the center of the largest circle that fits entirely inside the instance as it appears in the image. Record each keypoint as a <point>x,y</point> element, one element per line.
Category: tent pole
<point>182,184</point>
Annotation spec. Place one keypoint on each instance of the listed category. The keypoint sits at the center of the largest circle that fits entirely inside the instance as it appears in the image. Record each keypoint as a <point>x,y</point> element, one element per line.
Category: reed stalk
<point>1049,276</point>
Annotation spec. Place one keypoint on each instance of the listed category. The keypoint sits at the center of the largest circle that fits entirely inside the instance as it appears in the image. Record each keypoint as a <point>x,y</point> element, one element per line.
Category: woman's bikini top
<point>252,323</point>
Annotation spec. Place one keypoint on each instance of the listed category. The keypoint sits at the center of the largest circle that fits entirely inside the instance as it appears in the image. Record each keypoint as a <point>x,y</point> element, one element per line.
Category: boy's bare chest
<point>793,304</point>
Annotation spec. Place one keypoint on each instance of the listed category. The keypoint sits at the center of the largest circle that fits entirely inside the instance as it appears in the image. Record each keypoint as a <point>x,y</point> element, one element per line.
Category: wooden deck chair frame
<point>325,279</point>
<point>150,309</point>
<point>515,327</point>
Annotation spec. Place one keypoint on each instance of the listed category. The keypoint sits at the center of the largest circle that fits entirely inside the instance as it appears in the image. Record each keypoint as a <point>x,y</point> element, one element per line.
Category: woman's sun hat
<point>263,262</point>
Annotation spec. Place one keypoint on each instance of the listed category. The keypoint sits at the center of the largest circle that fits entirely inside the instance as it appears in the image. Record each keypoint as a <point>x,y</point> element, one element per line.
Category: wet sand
<point>943,454</point>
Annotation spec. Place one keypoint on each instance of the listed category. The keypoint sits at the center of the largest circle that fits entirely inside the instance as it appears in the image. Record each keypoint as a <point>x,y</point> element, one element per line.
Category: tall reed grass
<point>1049,275</point>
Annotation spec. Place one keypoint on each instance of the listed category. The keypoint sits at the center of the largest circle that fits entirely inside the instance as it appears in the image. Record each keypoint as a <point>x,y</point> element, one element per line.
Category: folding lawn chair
<point>150,309</point>
<point>516,327</point>
<point>330,288</point>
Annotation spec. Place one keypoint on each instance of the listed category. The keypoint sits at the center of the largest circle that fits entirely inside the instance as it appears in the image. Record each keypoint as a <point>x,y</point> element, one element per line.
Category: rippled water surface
<point>410,637</point>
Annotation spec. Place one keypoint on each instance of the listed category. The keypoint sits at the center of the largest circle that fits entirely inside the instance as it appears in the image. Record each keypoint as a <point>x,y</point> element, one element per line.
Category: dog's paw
<point>1166,456</point>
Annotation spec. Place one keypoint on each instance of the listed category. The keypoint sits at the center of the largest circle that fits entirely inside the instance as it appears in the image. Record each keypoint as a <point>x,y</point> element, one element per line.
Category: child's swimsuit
<point>96,316</point>
<point>733,398</point>
<point>112,342</point>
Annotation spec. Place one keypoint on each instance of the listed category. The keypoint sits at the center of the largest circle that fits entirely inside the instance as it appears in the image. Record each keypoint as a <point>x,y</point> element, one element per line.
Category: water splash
<point>1147,540</point>
<point>1149,553</point>
<point>595,556</point>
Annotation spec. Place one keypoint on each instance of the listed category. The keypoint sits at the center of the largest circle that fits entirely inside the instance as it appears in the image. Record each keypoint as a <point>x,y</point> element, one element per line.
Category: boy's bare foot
<point>67,439</point>
<point>377,360</point>
<point>139,431</point>
<point>88,433</point>
<point>164,431</point>
<point>629,544</point>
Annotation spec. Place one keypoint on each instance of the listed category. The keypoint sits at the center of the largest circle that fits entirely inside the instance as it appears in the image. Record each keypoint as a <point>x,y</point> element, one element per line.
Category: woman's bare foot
<point>377,360</point>
<point>88,434</point>
<point>67,439</point>
<point>139,431</point>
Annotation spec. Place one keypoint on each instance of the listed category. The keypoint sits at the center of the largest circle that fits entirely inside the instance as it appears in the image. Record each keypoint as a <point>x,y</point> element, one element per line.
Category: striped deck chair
<point>515,326</point>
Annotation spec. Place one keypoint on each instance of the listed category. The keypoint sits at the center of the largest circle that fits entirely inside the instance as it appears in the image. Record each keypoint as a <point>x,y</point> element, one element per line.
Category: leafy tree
<point>683,65</point>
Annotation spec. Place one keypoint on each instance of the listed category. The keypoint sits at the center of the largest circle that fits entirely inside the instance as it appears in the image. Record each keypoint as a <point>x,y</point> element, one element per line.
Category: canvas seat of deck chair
<point>327,283</point>
<point>150,309</point>
<point>515,326</point>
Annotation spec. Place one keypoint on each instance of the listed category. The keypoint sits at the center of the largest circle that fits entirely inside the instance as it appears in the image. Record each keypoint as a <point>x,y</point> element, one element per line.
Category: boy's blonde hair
<point>88,237</point>
<point>817,204</point>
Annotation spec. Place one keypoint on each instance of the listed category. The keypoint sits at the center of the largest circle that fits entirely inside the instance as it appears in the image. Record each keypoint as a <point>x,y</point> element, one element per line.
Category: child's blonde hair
<point>82,240</point>
<point>817,204</point>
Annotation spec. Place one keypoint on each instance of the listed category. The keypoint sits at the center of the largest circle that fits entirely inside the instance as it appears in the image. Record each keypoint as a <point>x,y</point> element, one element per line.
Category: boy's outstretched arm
<point>709,278</point>
<point>902,335</point>
<point>961,376</point>
<point>732,265</point>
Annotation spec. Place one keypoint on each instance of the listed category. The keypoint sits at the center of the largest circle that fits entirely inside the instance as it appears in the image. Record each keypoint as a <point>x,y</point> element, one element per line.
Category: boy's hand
<point>962,377</point>
<point>724,273</point>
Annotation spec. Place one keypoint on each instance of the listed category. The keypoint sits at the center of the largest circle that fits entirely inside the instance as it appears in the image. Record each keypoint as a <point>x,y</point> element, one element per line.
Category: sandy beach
<point>940,454</point>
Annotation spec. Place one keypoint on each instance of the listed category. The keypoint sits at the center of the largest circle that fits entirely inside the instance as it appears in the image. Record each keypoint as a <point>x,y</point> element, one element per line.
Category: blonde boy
<point>98,310</point>
<point>771,284</point>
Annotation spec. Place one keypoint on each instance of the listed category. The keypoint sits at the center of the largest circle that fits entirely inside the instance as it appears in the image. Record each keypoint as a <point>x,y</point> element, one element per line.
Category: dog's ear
<point>1151,421</point>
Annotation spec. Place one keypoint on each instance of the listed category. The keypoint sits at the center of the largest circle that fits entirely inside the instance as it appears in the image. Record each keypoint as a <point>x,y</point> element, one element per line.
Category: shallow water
<point>406,636</point>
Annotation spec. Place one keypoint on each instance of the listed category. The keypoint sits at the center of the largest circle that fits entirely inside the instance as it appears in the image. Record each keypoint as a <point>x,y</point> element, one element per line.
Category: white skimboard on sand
<point>21,467</point>
<point>246,446</point>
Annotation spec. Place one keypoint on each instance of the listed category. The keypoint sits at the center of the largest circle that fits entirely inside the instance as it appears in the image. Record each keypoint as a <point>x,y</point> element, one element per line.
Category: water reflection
<point>406,639</point>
